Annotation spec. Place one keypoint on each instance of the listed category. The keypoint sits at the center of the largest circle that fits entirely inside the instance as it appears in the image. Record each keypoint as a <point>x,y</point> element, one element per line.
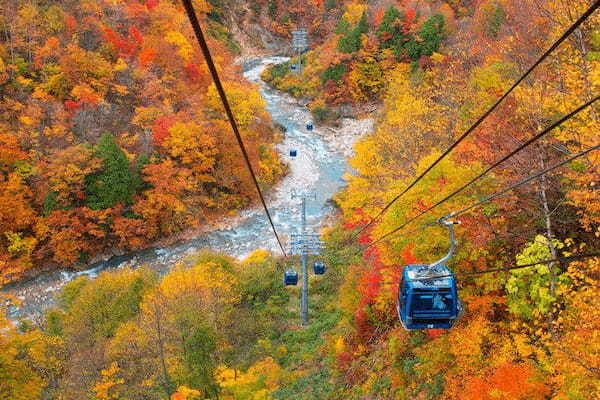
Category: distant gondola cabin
<point>319,268</point>
<point>427,302</point>
<point>293,153</point>
<point>309,126</point>
<point>290,278</point>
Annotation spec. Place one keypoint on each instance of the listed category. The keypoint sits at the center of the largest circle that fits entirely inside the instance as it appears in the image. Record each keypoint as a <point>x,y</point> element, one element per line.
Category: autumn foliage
<point>219,328</point>
<point>511,342</point>
<point>111,134</point>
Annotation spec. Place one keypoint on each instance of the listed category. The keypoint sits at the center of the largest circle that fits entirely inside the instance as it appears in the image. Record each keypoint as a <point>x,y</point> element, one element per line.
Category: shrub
<point>321,114</point>
<point>279,70</point>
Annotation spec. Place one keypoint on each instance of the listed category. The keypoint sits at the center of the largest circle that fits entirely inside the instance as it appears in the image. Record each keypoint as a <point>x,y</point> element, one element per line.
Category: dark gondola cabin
<point>309,126</point>
<point>290,278</point>
<point>426,302</point>
<point>293,153</point>
<point>319,268</point>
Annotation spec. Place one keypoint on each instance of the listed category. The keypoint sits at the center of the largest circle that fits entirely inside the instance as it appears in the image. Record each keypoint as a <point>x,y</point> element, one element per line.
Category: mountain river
<point>318,169</point>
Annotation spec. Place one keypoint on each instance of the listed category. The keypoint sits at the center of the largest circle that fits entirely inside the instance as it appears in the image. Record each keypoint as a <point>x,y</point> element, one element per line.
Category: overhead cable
<point>563,37</point>
<point>191,13</point>
<point>501,192</point>
<point>502,160</point>
<point>512,268</point>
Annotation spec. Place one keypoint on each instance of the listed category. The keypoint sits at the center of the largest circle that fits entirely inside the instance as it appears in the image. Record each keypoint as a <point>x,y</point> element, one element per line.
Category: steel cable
<point>497,163</point>
<point>499,193</point>
<point>564,36</point>
<point>191,13</point>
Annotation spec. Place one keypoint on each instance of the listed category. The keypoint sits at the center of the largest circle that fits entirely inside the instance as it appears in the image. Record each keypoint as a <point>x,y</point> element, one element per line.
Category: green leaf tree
<point>115,183</point>
<point>529,294</point>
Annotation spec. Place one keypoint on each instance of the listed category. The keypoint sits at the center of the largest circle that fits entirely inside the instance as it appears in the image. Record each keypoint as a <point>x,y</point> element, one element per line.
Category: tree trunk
<point>167,385</point>
<point>550,235</point>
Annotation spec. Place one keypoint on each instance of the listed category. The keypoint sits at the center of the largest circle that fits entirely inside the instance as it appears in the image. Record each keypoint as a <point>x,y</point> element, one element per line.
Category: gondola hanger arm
<point>450,225</point>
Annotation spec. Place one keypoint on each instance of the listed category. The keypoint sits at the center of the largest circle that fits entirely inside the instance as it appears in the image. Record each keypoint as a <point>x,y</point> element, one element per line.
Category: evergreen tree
<point>495,19</point>
<point>272,8</point>
<point>343,26</point>
<point>363,24</point>
<point>139,184</point>
<point>351,42</point>
<point>115,183</point>
<point>330,4</point>
<point>432,34</point>
<point>389,27</point>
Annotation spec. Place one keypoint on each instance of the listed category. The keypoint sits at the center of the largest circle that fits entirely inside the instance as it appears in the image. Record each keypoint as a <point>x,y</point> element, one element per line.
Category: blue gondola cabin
<point>293,153</point>
<point>427,303</point>
<point>309,126</point>
<point>319,268</point>
<point>290,278</point>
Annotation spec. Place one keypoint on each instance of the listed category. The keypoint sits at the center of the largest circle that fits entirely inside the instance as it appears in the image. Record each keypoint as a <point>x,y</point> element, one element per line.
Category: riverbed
<point>318,170</point>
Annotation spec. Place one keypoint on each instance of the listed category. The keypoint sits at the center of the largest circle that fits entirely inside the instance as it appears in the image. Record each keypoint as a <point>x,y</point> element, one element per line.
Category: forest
<point>112,135</point>
<point>113,139</point>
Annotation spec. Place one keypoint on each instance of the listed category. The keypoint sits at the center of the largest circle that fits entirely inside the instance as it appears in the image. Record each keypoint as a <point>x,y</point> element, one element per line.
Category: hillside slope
<point>112,135</point>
